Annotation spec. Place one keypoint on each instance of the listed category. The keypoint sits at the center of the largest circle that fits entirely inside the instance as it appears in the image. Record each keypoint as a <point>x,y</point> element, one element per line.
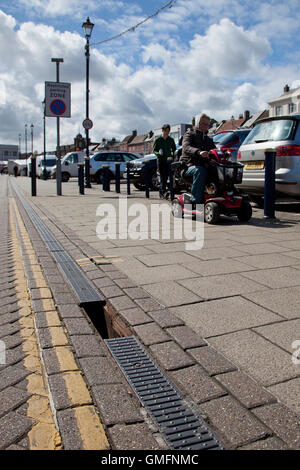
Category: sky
<point>221,58</point>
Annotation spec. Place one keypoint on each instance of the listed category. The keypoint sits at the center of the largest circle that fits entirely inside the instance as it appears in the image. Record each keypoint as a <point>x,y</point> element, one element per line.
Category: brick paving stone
<point>117,404</point>
<point>8,300</point>
<point>100,370</point>
<point>275,278</point>
<point>246,390</point>
<point>43,305</point>
<point>186,337</point>
<point>9,329</point>
<point>171,356</point>
<point>12,341</point>
<point>114,275</point>
<point>165,318</point>
<point>121,303</point>
<point>60,289</point>
<point>12,427</point>
<point>70,311</point>
<point>78,326</point>
<point>64,298</point>
<point>149,304</point>
<point>133,437</point>
<point>11,398</point>
<point>125,283</point>
<point>87,346</point>
<point>237,424</point>
<point>135,316</point>
<point>136,293</point>
<point>103,282</point>
<point>197,384</point>
<point>213,362</point>
<point>9,318</point>
<point>13,356</point>
<point>70,434</point>
<point>284,301</point>
<point>97,274</point>
<point>64,398</point>
<point>111,291</point>
<point>282,421</point>
<point>288,393</point>
<point>151,334</point>
<point>45,319</point>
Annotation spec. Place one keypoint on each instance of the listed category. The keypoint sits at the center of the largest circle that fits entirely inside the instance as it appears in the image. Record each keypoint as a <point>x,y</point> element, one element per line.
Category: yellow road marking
<point>76,389</point>
<point>91,429</point>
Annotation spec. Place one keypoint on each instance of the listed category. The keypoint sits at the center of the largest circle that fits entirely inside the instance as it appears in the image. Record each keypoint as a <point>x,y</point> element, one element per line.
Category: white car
<point>109,158</point>
<point>41,167</point>
<point>69,165</point>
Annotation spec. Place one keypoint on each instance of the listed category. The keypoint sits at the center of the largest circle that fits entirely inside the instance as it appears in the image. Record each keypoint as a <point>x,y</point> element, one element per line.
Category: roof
<point>231,124</point>
<point>285,95</point>
<point>255,117</point>
<point>139,139</point>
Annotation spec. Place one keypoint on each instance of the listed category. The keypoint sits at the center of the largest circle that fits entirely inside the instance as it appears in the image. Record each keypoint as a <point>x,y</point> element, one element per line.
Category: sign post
<point>58,104</point>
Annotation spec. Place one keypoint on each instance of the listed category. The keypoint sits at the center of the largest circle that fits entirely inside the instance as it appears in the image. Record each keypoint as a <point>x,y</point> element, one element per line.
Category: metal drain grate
<point>83,289</point>
<point>182,429</point>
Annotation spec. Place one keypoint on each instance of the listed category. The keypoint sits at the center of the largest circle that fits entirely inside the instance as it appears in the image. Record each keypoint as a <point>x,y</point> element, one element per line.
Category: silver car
<point>109,158</point>
<point>283,135</point>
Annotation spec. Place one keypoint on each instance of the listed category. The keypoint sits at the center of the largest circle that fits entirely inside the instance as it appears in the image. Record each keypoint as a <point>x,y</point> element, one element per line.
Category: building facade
<point>286,104</point>
<point>8,152</point>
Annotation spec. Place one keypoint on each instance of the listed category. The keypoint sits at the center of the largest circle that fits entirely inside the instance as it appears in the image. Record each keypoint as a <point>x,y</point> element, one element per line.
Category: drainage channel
<point>182,429</point>
<point>85,292</point>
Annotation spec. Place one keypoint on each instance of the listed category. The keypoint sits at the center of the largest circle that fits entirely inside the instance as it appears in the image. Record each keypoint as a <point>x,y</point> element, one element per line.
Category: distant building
<point>256,117</point>
<point>233,124</point>
<point>286,104</point>
<point>8,152</point>
<point>177,130</point>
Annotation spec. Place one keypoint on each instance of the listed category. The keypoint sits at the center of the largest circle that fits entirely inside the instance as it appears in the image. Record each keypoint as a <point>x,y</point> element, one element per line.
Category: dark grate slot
<point>180,426</point>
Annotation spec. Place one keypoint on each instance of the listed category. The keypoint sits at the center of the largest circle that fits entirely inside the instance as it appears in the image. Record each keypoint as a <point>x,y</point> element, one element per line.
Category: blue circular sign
<point>58,107</point>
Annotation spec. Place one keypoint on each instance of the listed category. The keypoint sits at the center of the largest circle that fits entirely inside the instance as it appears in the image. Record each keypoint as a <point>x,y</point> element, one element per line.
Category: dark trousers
<point>164,173</point>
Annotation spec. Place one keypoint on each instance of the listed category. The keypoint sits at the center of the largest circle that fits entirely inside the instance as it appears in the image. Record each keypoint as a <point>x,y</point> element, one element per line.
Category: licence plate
<point>255,165</point>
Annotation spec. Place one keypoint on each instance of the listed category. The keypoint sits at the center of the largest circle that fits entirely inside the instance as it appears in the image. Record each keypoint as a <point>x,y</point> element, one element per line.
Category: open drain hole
<point>108,324</point>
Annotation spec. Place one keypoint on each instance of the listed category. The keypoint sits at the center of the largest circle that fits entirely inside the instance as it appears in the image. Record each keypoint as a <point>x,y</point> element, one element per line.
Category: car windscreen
<point>220,138</point>
<point>50,162</point>
<point>279,129</point>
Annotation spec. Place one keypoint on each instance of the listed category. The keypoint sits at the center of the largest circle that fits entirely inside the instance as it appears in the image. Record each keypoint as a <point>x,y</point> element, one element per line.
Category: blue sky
<point>220,57</point>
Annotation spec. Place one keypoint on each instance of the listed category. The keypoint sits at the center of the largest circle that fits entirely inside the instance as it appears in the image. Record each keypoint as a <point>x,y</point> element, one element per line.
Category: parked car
<point>231,141</point>
<point>103,158</point>
<point>41,167</point>
<point>69,168</point>
<point>283,135</point>
<point>138,172</point>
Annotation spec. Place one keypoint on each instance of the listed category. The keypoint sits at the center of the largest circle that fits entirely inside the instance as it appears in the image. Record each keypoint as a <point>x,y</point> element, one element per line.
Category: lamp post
<point>87,29</point>
<point>26,141</point>
<point>31,133</point>
<point>20,146</point>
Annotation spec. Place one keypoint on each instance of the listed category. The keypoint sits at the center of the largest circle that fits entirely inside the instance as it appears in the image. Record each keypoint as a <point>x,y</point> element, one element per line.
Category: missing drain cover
<point>182,429</point>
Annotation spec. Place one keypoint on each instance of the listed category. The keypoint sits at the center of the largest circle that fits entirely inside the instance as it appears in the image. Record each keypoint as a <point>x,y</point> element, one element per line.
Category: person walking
<point>164,147</point>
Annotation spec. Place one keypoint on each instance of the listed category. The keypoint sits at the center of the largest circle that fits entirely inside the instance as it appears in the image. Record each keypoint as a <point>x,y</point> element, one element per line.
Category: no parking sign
<point>58,99</point>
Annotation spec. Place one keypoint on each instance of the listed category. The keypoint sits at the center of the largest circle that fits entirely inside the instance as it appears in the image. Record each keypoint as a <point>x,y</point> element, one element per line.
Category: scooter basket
<point>230,172</point>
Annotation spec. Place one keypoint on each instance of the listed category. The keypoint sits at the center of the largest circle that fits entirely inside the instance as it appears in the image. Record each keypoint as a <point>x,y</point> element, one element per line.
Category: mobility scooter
<point>221,196</point>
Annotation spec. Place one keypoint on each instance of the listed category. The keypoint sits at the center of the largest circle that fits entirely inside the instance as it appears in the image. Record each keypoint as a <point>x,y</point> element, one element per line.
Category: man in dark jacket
<point>195,147</point>
<point>164,147</point>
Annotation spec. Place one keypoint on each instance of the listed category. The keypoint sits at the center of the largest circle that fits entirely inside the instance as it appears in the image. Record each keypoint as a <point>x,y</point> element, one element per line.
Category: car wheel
<point>154,181</point>
<point>65,177</point>
<point>176,209</point>
<point>245,212</point>
<point>139,186</point>
<point>211,213</point>
<point>99,177</point>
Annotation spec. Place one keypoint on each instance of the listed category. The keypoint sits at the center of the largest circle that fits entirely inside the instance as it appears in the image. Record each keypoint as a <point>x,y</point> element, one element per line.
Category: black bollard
<point>118,177</point>
<point>33,176</point>
<point>147,179</point>
<point>128,177</point>
<point>170,161</point>
<point>106,178</point>
<point>81,177</point>
<point>269,190</point>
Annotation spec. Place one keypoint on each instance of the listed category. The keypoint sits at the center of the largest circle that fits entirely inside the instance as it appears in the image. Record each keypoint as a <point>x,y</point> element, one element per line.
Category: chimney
<point>134,133</point>
<point>246,115</point>
<point>286,89</point>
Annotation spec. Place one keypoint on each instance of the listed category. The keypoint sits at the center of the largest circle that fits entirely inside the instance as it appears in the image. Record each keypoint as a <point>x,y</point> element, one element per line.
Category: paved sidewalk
<point>221,321</point>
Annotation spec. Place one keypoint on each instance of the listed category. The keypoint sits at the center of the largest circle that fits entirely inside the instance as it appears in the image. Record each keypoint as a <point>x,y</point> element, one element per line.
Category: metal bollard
<point>147,179</point>
<point>269,189</point>
<point>170,161</point>
<point>106,178</point>
<point>33,176</point>
<point>117,177</point>
<point>81,177</point>
<point>128,177</point>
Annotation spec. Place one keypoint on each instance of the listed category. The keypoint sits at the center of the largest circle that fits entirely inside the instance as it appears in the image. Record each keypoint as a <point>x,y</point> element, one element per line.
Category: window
<point>278,129</point>
<point>114,157</point>
<point>128,157</point>
<point>292,108</point>
<point>100,157</point>
<point>278,110</point>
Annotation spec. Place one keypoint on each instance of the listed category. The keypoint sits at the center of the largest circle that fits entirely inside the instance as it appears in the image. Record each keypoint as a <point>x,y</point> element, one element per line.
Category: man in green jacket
<point>164,147</point>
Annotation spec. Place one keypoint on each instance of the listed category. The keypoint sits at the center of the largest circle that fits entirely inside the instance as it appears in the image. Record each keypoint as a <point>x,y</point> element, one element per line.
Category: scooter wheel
<point>176,209</point>
<point>245,212</point>
<point>211,213</point>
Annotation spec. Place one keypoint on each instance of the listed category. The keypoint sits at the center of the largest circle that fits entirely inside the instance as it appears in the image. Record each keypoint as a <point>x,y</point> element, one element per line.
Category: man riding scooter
<point>195,155</point>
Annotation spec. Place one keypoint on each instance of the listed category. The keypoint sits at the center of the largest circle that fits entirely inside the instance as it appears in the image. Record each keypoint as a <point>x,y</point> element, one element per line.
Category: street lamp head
<point>87,28</point>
